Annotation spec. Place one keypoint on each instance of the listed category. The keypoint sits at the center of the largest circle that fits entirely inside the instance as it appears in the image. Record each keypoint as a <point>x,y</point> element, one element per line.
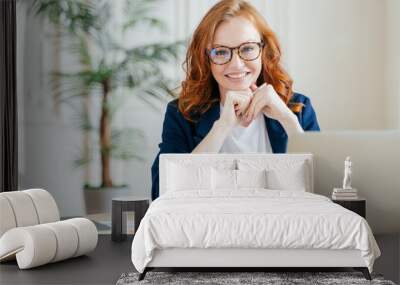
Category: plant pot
<point>99,199</point>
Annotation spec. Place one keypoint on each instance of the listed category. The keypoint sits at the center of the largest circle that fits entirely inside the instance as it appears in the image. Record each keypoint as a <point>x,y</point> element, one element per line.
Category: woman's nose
<point>236,61</point>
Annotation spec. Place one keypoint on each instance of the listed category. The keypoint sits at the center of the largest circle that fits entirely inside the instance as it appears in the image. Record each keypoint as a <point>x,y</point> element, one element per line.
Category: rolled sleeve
<point>309,118</point>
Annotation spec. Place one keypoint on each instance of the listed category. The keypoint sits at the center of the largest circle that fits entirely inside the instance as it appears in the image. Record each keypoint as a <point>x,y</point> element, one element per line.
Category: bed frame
<point>247,259</point>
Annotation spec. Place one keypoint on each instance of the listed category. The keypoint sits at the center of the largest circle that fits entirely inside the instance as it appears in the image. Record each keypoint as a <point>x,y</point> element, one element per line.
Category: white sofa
<point>31,231</point>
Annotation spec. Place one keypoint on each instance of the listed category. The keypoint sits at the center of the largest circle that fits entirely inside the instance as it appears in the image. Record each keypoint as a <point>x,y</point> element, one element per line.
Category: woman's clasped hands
<point>242,107</point>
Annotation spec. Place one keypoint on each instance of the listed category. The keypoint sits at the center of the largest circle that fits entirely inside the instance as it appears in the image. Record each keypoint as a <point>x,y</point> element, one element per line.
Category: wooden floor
<point>111,259</point>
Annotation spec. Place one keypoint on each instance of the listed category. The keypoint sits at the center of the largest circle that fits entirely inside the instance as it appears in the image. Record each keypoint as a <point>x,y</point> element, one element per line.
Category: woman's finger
<point>252,112</point>
<point>250,109</point>
<point>257,110</point>
<point>241,98</point>
<point>253,87</point>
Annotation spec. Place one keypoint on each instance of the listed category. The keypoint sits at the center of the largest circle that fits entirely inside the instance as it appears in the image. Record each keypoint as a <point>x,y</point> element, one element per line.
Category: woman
<point>236,96</point>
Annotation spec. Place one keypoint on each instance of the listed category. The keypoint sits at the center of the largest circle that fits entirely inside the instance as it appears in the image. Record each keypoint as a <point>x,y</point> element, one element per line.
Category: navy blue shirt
<point>182,136</point>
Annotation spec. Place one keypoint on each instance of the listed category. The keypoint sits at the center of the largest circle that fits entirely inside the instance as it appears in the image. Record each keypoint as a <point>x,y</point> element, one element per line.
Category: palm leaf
<point>74,15</point>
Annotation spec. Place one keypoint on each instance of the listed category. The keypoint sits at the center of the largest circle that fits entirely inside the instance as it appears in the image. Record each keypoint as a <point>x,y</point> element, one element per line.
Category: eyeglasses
<point>247,51</point>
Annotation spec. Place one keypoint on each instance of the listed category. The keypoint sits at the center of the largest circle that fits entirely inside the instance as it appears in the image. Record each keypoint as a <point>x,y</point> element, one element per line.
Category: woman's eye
<point>221,52</point>
<point>247,49</point>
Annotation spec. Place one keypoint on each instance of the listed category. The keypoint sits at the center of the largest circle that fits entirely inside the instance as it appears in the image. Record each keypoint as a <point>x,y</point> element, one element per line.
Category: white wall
<point>392,61</point>
<point>336,58</point>
<point>332,49</point>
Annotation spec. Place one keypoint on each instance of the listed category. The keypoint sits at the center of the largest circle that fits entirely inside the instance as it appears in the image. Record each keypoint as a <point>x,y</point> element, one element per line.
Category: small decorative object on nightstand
<point>358,205</point>
<point>346,192</point>
<point>122,206</point>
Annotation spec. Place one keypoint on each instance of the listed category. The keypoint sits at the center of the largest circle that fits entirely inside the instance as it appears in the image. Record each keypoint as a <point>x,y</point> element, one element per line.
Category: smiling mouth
<point>238,75</point>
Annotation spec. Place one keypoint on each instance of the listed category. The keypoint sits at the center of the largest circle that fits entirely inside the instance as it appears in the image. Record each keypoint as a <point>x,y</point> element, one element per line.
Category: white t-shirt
<point>252,139</point>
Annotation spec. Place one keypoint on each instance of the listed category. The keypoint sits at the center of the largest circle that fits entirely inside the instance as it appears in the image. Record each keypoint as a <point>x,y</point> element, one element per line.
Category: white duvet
<point>251,218</point>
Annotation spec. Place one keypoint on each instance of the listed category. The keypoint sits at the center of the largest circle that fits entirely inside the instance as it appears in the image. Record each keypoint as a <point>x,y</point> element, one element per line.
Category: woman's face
<point>237,74</point>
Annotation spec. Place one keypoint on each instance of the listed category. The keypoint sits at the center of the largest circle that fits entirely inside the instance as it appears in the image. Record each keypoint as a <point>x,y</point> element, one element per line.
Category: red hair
<point>199,87</point>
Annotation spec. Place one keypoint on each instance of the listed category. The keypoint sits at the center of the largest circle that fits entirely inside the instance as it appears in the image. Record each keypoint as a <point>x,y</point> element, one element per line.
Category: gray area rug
<point>228,278</point>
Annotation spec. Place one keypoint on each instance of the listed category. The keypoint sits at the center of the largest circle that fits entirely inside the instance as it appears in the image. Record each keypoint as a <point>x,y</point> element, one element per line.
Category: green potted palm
<point>108,70</point>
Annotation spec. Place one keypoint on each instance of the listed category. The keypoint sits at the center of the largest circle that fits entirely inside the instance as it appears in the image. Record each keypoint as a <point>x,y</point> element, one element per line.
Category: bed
<point>245,211</point>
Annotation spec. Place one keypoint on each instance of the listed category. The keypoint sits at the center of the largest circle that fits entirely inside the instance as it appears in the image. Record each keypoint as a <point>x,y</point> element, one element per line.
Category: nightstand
<point>138,205</point>
<point>358,206</point>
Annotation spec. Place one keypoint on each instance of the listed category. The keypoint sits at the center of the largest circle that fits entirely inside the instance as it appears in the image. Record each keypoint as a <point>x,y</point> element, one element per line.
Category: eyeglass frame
<point>232,49</point>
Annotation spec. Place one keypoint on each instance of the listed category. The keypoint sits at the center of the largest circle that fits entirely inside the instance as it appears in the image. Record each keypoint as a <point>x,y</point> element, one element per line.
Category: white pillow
<point>251,178</point>
<point>223,179</point>
<point>288,178</point>
<point>282,174</point>
<point>182,177</point>
<point>226,179</point>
